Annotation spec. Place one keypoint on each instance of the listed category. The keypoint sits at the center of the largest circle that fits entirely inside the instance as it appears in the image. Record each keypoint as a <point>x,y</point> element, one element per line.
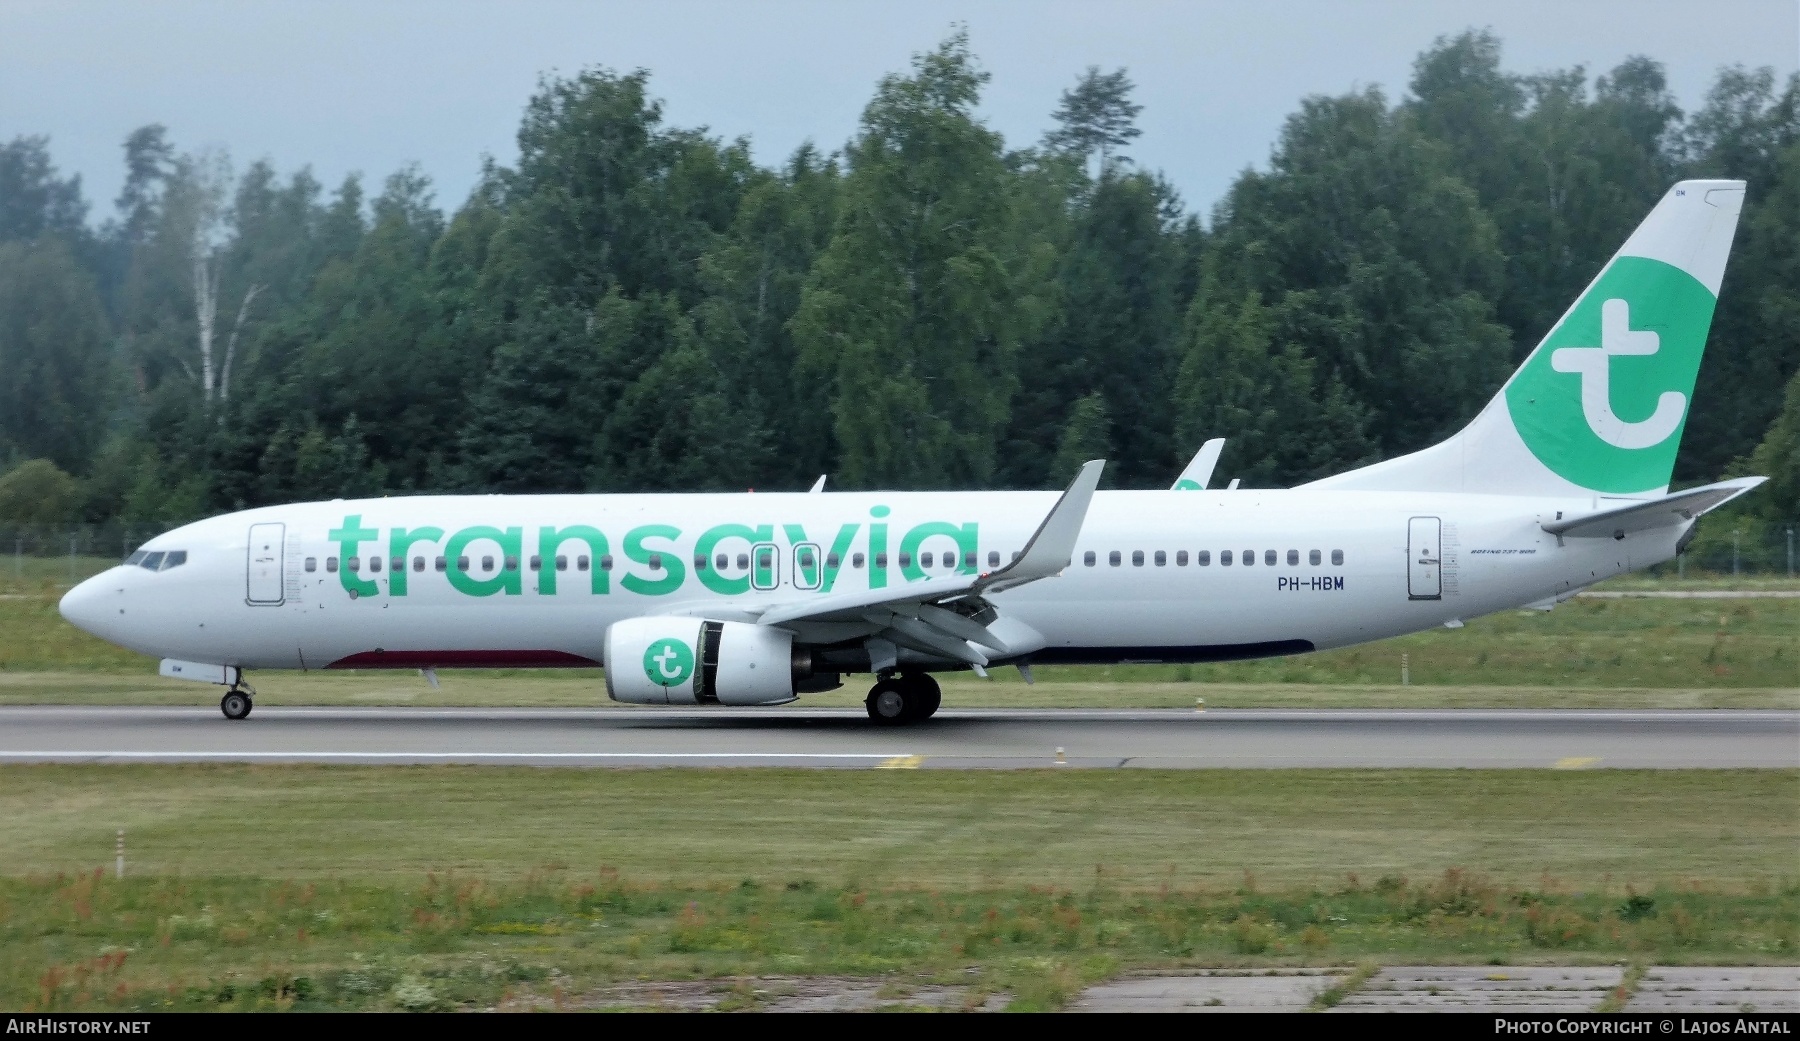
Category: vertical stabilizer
<point>1599,406</point>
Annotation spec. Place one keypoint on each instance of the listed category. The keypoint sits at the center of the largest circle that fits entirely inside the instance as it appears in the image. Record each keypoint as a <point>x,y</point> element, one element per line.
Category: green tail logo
<point>1603,401</point>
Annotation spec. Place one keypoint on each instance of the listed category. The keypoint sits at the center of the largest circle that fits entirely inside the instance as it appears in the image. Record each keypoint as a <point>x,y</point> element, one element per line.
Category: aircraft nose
<point>85,606</point>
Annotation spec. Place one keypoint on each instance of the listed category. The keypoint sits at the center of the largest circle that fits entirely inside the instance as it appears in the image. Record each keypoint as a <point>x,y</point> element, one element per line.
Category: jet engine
<point>666,660</point>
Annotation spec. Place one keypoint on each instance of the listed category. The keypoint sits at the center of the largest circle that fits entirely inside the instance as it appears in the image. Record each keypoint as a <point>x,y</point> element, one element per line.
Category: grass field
<point>466,888</point>
<point>1636,653</point>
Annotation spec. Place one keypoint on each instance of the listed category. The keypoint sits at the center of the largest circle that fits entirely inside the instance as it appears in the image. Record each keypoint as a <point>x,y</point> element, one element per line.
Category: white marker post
<point>1406,670</point>
<point>119,855</point>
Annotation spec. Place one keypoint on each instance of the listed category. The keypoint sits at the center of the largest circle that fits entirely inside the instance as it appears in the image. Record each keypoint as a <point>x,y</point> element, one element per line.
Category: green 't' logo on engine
<point>668,662</point>
<point>1603,402</point>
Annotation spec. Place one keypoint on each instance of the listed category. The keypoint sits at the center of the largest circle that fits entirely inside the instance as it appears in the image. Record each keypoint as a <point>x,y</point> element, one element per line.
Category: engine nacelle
<point>668,660</point>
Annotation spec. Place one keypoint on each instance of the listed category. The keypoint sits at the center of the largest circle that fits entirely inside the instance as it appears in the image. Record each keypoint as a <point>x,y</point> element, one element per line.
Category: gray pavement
<point>965,738</point>
<point>1529,989</point>
<point>1277,991</point>
<point>1457,988</point>
<point>1705,989</point>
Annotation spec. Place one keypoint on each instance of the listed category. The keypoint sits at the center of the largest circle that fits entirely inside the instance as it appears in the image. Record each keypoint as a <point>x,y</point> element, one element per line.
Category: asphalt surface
<point>956,738</point>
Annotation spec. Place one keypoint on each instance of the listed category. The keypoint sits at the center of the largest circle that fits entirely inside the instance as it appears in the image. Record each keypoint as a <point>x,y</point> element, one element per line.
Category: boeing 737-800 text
<point>755,599</point>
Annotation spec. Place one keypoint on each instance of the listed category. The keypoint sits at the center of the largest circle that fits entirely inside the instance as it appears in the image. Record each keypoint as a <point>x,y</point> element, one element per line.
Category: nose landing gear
<point>908,698</point>
<point>236,704</point>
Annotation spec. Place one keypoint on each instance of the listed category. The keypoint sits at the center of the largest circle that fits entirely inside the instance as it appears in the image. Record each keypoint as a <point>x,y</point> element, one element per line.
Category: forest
<point>636,306</point>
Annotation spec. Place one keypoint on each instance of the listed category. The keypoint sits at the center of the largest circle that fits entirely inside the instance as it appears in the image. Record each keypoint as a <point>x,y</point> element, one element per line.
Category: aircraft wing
<point>1199,469</point>
<point>947,616</point>
<point>1677,508</point>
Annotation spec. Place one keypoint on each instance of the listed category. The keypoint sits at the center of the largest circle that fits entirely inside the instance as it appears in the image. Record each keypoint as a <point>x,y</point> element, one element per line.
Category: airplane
<point>1561,481</point>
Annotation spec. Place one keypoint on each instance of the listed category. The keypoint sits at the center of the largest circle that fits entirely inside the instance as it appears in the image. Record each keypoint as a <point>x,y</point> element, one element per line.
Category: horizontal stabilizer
<point>1677,508</point>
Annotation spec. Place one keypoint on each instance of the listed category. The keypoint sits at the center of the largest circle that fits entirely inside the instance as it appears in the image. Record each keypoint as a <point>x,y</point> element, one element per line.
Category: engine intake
<point>666,660</point>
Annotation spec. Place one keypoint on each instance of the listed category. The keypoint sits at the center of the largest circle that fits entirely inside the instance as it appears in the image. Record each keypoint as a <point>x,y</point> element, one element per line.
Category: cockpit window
<point>161,560</point>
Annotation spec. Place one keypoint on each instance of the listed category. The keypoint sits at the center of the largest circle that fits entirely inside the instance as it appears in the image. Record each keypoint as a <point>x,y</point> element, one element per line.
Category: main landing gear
<point>906,698</point>
<point>236,704</point>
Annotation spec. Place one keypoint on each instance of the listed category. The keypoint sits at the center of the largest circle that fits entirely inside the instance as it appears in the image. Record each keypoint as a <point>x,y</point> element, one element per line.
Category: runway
<point>955,739</point>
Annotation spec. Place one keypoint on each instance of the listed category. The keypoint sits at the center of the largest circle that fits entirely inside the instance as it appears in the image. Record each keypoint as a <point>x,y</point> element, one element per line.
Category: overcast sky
<point>368,85</point>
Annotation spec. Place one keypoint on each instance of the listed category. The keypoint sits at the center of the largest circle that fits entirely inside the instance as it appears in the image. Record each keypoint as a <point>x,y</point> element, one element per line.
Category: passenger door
<point>1424,558</point>
<point>264,564</point>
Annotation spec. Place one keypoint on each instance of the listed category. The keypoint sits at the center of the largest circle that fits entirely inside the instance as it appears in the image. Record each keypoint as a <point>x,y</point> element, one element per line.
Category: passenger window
<point>1337,556</point>
<point>537,562</point>
<point>699,563</point>
<point>562,563</point>
<point>331,565</point>
<point>655,561</point>
<point>833,560</point>
<point>1137,558</point>
<point>374,565</point>
<point>440,564</point>
<point>487,563</point>
<point>462,563</point>
<point>924,559</point>
<point>906,560</point>
<point>1248,558</point>
<point>1203,558</point>
<point>993,558</point>
<point>1312,557</point>
<point>1162,558</point>
<point>1181,558</point>
<point>969,559</point>
<point>418,563</point>
<point>856,560</point>
<point>312,564</point>
<point>1293,556</point>
<point>1088,558</point>
<point>764,559</point>
<point>743,561</point>
<point>1269,557</point>
<point>1224,558</point>
<point>174,558</point>
<point>721,562</point>
<point>356,563</point>
<point>399,563</point>
<point>806,558</point>
<point>512,563</point>
<point>605,562</point>
<point>1113,558</point>
<point>881,560</point>
<point>152,561</point>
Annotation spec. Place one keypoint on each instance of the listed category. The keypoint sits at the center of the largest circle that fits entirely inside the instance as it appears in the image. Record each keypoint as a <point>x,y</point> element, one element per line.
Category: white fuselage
<point>1409,561</point>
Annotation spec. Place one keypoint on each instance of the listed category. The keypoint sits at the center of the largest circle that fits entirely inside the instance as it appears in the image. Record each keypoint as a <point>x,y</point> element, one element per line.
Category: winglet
<point>1200,469</point>
<point>1052,546</point>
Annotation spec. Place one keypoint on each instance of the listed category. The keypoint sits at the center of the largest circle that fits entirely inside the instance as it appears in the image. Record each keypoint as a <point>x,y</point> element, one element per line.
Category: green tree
<point>1778,459</point>
<point>38,492</point>
<point>53,352</point>
<point>1285,421</point>
<point>1087,435</point>
<point>1375,256</point>
<point>1096,118</point>
<point>34,201</point>
<point>912,313</point>
<point>753,280</point>
<point>1747,130</point>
